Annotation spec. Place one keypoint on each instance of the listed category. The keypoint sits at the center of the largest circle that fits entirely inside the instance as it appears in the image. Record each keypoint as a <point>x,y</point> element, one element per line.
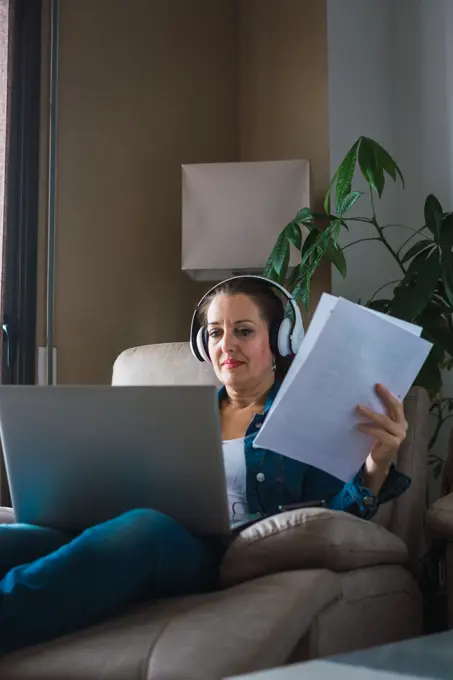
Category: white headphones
<point>284,340</point>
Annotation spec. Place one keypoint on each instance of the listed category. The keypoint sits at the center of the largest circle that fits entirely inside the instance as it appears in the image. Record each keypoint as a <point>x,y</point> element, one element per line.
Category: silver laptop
<point>77,456</point>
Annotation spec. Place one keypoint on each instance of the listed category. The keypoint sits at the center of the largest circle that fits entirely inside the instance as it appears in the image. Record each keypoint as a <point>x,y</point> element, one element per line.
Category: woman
<point>241,316</point>
<point>52,584</point>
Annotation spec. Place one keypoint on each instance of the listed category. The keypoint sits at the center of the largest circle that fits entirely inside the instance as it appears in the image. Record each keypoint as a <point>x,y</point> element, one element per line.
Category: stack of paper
<point>348,349</point>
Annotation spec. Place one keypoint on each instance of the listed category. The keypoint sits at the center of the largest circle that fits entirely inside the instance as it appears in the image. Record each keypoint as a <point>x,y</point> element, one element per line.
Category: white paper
<point>412,328</point>
<point>347,350</point>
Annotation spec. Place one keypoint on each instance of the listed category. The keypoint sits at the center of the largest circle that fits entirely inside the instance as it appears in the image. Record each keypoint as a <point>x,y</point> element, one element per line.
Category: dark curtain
<point>20,232</point>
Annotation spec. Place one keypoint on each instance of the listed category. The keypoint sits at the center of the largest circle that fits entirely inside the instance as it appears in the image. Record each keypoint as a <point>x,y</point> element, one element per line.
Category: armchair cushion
<point>309,538</point>
<point>7,515</point>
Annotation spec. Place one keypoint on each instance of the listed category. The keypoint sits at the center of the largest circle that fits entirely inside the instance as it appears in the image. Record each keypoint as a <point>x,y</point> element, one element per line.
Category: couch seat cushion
<point>252,626</point>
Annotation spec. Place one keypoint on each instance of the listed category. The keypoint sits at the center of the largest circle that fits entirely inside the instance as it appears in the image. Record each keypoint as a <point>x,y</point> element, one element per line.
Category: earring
<point>274,364</point>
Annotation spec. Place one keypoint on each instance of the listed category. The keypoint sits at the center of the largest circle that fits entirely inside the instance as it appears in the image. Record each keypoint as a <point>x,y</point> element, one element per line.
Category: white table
<point>427,658</point>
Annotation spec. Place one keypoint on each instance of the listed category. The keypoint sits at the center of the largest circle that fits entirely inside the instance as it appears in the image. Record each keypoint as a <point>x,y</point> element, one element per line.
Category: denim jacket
<point>273,479</point>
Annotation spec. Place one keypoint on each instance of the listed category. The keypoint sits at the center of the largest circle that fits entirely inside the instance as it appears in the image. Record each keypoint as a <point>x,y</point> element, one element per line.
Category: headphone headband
<point>268,282</point>
<point>290,334</point>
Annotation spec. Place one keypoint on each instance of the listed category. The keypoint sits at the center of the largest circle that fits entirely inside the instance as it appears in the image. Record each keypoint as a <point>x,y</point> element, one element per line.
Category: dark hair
<point>270,305</point>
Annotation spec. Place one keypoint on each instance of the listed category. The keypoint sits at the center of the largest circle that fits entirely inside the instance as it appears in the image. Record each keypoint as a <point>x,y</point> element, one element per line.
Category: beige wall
<point>146,85</point>
<point>283,90</point>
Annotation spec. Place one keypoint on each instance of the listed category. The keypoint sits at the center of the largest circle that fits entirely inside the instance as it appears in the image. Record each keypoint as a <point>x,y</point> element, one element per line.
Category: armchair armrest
<point>439,519</point>
<point>310,538</point>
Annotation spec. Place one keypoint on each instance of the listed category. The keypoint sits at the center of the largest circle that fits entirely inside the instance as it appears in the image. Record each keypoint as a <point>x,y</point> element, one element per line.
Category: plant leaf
<point>334,254</point>
<point>298,277</point>
<point>414,292</point>
<point>311,241</point>
<point>301,291</point>
<point>304,215</point>
<point>273,276</point>
<point>387,162</point>
<point>313,250</point>
<point>312,253</point>
<point>380,305</point>
<point>417,248</point>
<point>294,235</point>
<point>323,217</point>
<point>433,215</point>
<point>346,170</point>
<point>329,191</point>
<point>369,166</point>
<point>436,328</point>
<point>269,267</point>
<point>294,277</point>
<point>440,298</point>
<point>335,228</point>
<point>346,203</point>
<point>345,175</point>
<point>446,231</point>
<point>274,267</point>
<point>281,255</point>
<point>447,274</point>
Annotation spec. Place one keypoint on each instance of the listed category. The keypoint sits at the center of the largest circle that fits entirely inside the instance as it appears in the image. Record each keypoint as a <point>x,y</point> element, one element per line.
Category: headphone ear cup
<point>298,333</point>
<point>296,340</point>
<point>284,337</point>
<point>202,344</point>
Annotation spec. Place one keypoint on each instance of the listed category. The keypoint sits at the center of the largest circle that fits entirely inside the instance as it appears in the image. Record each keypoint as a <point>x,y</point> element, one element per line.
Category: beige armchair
<point>331,582</point>
<point>439,530</point>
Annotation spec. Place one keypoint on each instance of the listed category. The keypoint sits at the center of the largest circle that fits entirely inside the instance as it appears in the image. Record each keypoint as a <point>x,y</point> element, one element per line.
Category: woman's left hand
<point>389,430</point>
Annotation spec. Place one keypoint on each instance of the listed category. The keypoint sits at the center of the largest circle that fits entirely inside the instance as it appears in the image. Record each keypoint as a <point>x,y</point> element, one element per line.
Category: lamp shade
<point>232,214</point>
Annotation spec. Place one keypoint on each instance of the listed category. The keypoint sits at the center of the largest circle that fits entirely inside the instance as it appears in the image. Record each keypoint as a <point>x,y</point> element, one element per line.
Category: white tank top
<point>234,461</point>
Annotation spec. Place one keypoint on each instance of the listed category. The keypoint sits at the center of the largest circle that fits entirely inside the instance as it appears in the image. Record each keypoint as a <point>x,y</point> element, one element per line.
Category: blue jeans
<point>53,584</point>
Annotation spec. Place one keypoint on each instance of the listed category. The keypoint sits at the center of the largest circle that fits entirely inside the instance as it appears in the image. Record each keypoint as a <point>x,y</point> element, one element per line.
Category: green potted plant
<point>424,292</point>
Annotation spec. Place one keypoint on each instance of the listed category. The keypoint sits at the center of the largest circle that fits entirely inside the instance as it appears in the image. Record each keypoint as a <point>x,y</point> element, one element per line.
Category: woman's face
<point>238,341</point>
